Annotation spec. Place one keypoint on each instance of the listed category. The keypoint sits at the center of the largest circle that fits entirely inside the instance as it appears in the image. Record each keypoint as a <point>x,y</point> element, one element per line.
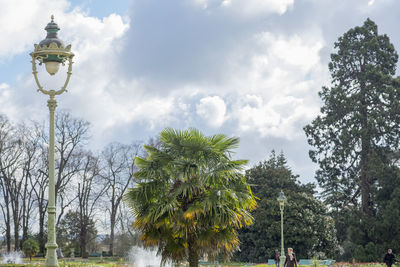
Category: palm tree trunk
<point>193,253</point>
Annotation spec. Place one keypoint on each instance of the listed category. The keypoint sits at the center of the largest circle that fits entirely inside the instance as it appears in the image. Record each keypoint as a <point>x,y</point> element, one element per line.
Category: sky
<point>246,68</point>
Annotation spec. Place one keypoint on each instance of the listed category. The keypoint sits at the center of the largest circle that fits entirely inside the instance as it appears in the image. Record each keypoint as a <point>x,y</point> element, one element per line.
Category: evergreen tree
<point>355,141</point>
<point>308,228</point>
<point>69,232</point>
<point>360,120</point>
<point>30,247</point>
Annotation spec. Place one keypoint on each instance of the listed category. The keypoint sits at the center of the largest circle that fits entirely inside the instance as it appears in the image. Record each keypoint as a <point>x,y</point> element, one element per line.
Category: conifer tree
<point>359,125</point>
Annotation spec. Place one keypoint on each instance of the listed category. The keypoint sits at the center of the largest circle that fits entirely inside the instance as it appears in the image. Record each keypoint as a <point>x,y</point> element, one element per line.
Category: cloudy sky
<point>246,68</point>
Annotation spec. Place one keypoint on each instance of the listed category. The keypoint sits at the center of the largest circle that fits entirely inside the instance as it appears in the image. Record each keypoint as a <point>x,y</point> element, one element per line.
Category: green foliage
<point>190,196</point>
<point>307,226</point>
<point>315,262</point>
<point>388,199</point>
<point>72,228</point>
<point>30,247</point>
<point>356,138</point>
<point>359,253</point>
<point>124,242</point>
<point>361,114</point>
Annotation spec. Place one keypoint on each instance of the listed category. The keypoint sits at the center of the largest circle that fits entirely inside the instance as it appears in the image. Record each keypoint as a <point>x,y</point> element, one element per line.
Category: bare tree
<point>40,186</point>
<point>5,135</point>
<point>89,192</point>
<point>11,155</point>
<point>117,174</point>
<point>30,162</point>
<point>18,159</point>
<point>71,135</point>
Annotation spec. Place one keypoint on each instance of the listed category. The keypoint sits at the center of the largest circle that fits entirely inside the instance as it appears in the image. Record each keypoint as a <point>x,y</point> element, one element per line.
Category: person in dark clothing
<point>277,258</point>
<point>290,259</point>
<point>389,258</point>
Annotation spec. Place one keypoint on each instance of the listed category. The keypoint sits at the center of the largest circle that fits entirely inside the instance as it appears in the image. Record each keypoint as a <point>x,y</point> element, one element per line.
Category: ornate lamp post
<point>51,51</point>
<point>282,199</point>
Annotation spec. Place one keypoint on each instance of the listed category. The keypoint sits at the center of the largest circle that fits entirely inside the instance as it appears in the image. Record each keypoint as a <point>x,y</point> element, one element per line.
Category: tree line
<point>87,183</point>
<point>308,226</point>
<point>193,201</point>
<point>355,141</point>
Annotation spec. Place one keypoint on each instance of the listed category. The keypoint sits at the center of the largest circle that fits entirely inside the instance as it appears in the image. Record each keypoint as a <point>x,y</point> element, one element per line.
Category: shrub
<point>30,247</point>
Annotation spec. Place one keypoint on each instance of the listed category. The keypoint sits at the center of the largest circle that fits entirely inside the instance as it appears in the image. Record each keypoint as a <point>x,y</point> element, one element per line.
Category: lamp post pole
<point>51,246</point>
<point>51,52</point>
<point>282,199</point>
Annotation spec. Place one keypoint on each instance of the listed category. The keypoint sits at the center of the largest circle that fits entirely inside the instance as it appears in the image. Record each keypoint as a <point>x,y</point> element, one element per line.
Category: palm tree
<point>191,196</point>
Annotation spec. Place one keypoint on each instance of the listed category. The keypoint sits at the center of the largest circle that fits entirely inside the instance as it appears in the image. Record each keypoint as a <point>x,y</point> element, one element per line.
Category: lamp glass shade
<point>281,197</point>
<point>52,67</point>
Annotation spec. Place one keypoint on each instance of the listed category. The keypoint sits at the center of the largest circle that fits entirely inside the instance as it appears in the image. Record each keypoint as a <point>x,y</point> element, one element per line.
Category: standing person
<point>290,259</point>
<point>389,258</point>
<point>277,258</point>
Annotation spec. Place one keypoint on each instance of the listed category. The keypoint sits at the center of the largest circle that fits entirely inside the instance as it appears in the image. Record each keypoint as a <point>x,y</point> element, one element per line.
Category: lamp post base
<point>282,261</point>
<point>51,256</point>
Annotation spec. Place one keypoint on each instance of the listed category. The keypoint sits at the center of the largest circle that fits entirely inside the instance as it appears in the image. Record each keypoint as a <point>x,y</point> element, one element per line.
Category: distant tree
<point>71,134</point>
<point>11,157</point>
<point>118,169</point>
<point>308,227</point>
<point>89,191</point>
<point>124,243</point>
<point>40,188</point>
<point>30,247</point>
<point>30,136</point>
<point>18,164</point>
<point>125,234</point>
<point>190,196</point>
<point>6,133</point>
<point>69,229</point>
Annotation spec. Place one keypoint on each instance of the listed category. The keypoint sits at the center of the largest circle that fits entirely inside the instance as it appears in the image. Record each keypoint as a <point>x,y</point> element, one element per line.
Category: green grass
<point>71,264</point>
<point>77,262</point>
<point>119,262</point>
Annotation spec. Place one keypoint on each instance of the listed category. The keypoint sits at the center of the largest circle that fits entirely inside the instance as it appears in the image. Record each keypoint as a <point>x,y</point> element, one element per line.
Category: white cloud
<point>274,92</point>
<point>294,50</point>
<point>258,7</point>
<point>249,8</point>
<point>19,20</point>
<point>4,93</point>
<point>212,109</point>
<point>276,118</point>
<point>6,106</point>
<point>270,86</point>
<point>202,3</point>
<point>96,91</point>
<point>266,84</point>
<point>92,37</point>
<point>254,101</point>
<point>264,93</point>
<point>4,86</point>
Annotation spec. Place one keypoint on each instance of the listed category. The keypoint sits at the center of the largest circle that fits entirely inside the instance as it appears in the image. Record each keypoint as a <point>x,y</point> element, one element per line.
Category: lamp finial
<point>52,18</point>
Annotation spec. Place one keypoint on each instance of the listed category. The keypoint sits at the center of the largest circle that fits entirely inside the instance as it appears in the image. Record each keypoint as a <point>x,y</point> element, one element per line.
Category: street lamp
<point>282,199</point>
<point>52,52</point>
